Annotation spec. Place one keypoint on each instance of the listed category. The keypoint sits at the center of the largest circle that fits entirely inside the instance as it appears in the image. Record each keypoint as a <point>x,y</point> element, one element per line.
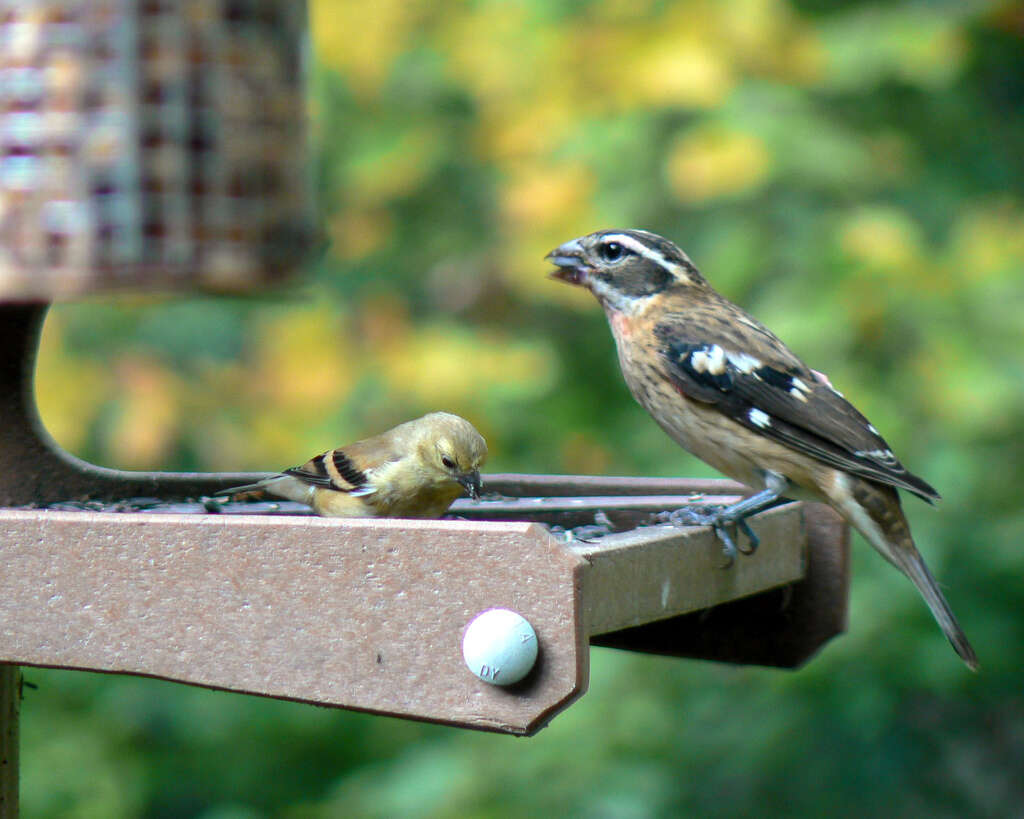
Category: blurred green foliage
<point>850,172</point>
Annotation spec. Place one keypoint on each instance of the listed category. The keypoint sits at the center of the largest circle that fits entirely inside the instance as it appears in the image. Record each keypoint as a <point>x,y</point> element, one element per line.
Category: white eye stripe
<point>649,253</point>
<point>639,248</point>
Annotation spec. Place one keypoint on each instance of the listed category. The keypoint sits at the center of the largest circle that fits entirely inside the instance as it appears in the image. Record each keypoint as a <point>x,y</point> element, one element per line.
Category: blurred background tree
<point>850,172</point>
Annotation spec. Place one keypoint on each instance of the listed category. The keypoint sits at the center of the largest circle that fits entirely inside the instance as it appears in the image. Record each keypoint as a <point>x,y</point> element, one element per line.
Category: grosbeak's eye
<point>610,251</point>
<point>447,462</point>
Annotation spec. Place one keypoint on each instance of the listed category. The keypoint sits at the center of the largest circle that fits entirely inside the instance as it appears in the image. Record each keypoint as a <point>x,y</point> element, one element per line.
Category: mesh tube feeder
<point>150,145</point>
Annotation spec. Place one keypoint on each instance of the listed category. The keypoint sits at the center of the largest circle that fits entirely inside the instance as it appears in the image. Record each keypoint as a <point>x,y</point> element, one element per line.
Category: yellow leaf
<point>305,361</point>
<point>883,238</point>
<point>149,416</point>
<point>70,389</point>
<point>988,240</point>
<point>680,73</point>
<point>539,194</point>
<point>445,366</point>
<point>711,161</point>
<point>362,39</point>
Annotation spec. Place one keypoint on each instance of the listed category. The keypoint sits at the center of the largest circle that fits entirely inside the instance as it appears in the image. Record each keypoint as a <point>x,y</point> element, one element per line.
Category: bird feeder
<point>150,144</point>
<point>157,146</point>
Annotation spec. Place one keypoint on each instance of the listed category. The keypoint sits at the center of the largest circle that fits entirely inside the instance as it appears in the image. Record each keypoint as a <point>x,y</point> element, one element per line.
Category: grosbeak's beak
<point>568,258</point>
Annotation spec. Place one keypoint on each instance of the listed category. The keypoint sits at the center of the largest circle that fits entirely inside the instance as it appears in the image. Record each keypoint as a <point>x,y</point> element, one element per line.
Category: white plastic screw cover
<point>500,646</point>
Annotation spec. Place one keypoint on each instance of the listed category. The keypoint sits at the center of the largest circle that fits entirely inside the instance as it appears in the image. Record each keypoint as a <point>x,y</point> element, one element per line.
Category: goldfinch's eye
<point>611,251</point>
<point>448,462</point>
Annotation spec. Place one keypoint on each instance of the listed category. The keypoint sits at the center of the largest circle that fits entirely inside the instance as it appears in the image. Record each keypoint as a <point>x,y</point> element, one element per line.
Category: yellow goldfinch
<point>415,470</point>
<point>724,387</point>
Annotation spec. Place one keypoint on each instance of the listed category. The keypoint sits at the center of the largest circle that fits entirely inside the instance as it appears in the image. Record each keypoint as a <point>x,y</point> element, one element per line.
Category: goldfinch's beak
<point>471,483</point>
<point>569,260</point>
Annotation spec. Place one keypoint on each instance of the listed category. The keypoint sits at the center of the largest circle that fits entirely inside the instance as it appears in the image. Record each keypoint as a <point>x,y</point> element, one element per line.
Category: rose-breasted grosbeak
<point>414,470</point>
<point>724,387</point>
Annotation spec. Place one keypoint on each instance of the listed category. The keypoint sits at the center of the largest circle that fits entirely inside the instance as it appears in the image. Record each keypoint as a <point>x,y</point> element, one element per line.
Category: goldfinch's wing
<point>348,469</point>
<point>749,375</point>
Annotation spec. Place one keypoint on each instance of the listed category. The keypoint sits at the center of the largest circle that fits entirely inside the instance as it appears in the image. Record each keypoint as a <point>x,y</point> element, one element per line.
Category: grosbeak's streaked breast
<point>724,387</point>
<point>414,470</point>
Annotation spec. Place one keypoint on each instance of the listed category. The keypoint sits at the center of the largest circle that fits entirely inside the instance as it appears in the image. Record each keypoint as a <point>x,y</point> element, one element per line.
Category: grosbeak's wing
<point>749,375</point>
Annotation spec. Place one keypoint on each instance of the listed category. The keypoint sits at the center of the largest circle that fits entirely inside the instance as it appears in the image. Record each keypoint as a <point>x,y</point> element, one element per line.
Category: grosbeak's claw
<point>753,541</point>
<point>728,545</point>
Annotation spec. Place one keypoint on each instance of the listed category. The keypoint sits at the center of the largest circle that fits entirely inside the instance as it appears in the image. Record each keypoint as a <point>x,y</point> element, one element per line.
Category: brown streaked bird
<point>414,470</point>
<point>726,389</point>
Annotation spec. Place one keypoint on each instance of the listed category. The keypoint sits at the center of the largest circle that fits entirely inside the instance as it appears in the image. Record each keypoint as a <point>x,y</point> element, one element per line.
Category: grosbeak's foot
<point>717,518</point>
<point>696,515</point>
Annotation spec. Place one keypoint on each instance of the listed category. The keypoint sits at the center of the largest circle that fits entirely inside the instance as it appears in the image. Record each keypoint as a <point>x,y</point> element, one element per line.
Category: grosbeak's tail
<point>914,567</point>
<point>874,510</point>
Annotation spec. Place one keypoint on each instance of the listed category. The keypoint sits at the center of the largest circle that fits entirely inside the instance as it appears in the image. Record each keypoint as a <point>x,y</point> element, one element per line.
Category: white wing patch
<point>716,360</point>
<point>746,364</point>
<point>884,455</point>
<point>759,418</point>
<point>709,360</point>
<point>799,390</point>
